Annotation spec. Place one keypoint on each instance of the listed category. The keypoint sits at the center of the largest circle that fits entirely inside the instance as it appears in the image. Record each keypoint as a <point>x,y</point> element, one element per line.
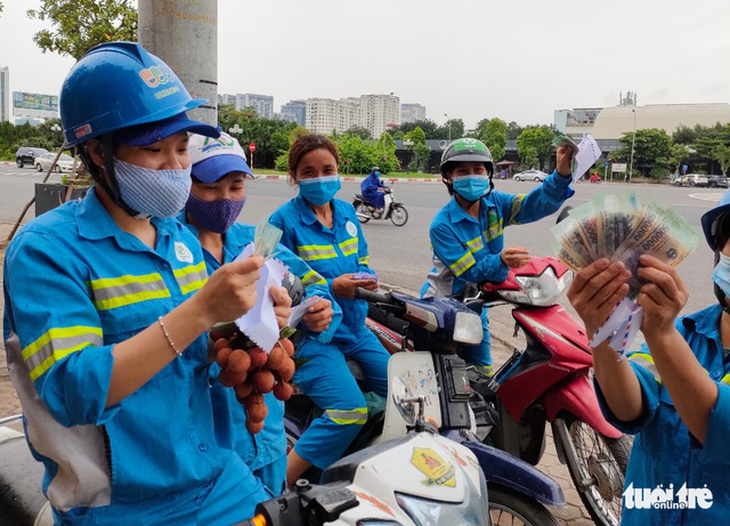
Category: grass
<point>271,171</point>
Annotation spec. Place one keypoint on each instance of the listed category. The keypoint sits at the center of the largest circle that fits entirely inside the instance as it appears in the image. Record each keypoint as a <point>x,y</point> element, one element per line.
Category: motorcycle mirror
<point>563,213</point>
<point>403,400</point>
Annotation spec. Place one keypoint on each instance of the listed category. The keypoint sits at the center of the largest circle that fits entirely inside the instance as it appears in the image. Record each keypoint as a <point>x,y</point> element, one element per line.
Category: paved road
<point>402,255</point>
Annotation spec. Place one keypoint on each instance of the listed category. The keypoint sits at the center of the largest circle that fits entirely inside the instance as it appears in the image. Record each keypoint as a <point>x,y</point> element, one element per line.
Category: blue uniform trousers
<point>326,378</point>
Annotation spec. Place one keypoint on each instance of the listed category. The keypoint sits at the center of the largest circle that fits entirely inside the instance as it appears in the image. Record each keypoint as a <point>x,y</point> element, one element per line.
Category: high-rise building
<point>262,104</point>
<point>226,99</point>
<point>373,112</point>
<point>286,117</point>
<point>298,108</point>
<point>5,108</point>
<point>411,112</point>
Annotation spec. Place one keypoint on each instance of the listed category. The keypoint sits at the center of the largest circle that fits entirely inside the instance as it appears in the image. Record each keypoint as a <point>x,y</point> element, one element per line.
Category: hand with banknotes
<point>618,228</point>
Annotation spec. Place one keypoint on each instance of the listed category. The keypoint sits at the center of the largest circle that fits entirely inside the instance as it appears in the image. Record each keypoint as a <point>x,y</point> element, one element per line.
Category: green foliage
<point>358,156</point>
<point>417,137</point>
<point>13,137</point>
<point>513,131</point>
<point>535,141</point>
<point>679,153</point>
<point>429,128</point>
<point>360,131</point>
<point>653,150</point>
<point>386,151</point>
<point>684,135</point>
<point>78,25</point>
<point>721,154</point>
<point>494,135</point>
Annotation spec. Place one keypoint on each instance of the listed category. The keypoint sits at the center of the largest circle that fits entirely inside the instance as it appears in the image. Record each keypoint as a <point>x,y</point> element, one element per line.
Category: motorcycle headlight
<point>468,328</point>
<point>474,511</point>
<point>541,291</point>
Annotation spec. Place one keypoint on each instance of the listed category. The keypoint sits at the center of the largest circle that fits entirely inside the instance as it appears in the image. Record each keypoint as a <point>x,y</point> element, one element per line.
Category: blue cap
<point>214,158</point>
<point>710,224</point>
<point>152,132</point>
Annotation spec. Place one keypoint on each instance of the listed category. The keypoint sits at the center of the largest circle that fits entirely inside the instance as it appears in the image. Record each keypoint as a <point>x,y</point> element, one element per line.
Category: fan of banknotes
<point>618,227</point>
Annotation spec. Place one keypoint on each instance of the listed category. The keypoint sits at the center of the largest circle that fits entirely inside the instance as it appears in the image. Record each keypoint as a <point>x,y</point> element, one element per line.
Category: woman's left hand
<point>563,158</point>
<point>319,316</point>
<point>662,299</point>
<point>282,305</point>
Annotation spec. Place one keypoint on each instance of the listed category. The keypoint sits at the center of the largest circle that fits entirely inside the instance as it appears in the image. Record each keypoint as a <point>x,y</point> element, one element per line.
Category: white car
<point>43,163</point>
<point>531,175</point>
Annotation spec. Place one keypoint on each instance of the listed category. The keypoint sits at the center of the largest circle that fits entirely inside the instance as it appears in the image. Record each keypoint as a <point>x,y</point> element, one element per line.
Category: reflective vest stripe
<point>476,244</point>
<point>354,416</point>
<point>463,264</point>
<point>110,293</point>
<point>495,230</point>
<point>365,260</point>
<point>646,361</point>
<point>349,247</point>
<point>725,379</point>
<point>191,278</point>
<point>314,252</point>
<point>312,278</point>
<point>516,207</point>
<point>57,343</point>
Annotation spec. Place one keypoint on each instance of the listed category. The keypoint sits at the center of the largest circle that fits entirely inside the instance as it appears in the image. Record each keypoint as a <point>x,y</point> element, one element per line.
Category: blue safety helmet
<point>119,85</point>
<point>712,222</point>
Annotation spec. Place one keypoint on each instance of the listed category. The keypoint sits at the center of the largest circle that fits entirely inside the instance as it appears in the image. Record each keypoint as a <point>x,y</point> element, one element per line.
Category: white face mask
<point>721,274</point>
<point>153,193</point>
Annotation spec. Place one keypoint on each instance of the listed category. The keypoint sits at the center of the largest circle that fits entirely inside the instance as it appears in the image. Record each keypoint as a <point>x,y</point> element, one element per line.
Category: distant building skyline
<point>372,112</point>
<point>298,108</point>
<point>411,112</point>
<point>5,108</point>
<point>262,104</point>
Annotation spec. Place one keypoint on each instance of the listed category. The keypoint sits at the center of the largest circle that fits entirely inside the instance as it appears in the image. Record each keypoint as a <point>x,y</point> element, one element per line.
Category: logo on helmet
<point>82,131</point>
<point>154,76</point>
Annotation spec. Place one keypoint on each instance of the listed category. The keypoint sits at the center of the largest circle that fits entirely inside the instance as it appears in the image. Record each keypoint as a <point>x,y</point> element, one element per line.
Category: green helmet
<point>466,149</point>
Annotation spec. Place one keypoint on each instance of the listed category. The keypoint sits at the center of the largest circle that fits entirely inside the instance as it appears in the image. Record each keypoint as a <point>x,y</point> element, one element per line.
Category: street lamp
<point>449,121</point>
<point>55,127</point>
<point>633,143</point>
<point>235,130</point>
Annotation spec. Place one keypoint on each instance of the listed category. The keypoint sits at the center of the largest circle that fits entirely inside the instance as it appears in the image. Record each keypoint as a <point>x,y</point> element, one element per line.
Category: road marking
<point>709,196</point>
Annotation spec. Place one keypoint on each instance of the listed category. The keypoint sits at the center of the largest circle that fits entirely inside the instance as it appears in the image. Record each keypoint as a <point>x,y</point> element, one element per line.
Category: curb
<point>347,179</point>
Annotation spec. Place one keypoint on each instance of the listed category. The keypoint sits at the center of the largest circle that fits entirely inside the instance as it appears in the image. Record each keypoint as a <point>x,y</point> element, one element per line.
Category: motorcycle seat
<point>359,196</point>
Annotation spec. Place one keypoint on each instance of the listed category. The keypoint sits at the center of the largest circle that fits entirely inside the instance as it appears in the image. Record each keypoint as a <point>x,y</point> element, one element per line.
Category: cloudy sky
<point>514,59</point>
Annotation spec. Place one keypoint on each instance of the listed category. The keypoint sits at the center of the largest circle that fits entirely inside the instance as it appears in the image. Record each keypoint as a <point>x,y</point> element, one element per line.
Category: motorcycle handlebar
<point>372,297</point>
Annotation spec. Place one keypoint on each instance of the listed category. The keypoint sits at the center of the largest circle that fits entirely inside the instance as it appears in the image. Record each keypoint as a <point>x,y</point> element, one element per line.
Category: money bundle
<point>266,237</point>
<point>618,227</point>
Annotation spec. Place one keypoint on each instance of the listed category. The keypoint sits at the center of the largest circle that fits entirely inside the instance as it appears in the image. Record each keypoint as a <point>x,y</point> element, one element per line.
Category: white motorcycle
<point>392,209</point>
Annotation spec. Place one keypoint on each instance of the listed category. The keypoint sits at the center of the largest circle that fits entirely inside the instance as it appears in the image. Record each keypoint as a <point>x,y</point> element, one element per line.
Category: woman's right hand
<point>344,286</point>
<point>596,290</point>
<point>231,290</point>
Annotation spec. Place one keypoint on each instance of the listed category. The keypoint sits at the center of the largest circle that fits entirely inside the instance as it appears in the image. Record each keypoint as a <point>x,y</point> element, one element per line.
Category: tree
<point>453,128</point>
<point>78,25</point>
<point>528,156</point>
<point>495,137</point>
<point>360,131</point>
<point>721,154</point>
<point>679,153</point>
<point>653,151</point>
<point>386,151</point>
<point>417,139</point>
<point>513,131</point>
<point>684,135</point>
<point>540,138</point>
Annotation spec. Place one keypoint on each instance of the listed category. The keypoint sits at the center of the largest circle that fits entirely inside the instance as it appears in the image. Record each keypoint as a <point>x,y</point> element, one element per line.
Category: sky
<point>518,60</point>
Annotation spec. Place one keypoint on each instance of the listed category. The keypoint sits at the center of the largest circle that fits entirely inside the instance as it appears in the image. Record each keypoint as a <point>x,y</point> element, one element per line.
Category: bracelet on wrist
<point>169,339</point>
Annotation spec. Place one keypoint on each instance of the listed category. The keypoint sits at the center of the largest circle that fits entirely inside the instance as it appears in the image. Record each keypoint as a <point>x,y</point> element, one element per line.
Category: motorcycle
<point>392,209</point>
<point>416,480</point>
<point>548,381</point>
<point>518,490</point>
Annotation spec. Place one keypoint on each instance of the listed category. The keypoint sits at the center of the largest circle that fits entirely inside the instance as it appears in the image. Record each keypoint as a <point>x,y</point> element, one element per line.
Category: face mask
<point>321,190</point>
<point>153,193</point>
<point>471,187</point>
<point>216,216</point>
<point>721,274</point>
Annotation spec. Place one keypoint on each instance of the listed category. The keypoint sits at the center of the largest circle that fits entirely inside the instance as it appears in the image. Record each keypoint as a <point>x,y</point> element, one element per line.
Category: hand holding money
<point>662,297</point>
<point>515,257</point>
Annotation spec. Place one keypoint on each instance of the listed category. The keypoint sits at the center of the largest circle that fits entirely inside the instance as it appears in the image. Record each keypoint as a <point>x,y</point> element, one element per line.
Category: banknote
<point>265,239</point>
<point>616,217</point>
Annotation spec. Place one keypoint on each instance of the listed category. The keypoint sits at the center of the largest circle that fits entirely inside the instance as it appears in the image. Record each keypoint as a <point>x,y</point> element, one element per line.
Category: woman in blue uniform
<point>104,330</point>
<point>216,200</point>
<point>326,234</point>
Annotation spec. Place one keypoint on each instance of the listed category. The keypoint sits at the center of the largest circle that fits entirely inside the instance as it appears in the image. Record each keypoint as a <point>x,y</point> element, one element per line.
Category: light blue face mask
<point>471,187</point>
<point>320,190</point>
<point>153,193</point>
<point>721,274</point>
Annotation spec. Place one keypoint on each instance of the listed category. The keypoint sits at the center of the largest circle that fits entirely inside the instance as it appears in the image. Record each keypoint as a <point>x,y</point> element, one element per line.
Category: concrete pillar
<point>184,33</point>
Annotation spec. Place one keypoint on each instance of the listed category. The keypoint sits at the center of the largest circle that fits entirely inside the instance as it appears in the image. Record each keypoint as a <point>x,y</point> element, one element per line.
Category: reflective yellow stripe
<point>46,364</point>
<point>349,247</point>
<point>129,299</point>
<point>646,361</point>
<point>110,293</point>
<point>189,269</point>
<point>516,207</point>
<point>462,264</point>
<point>354,416</point>
<point>195,285</point>
<point>476,244</point>
<point>58,333</point>
<point>312,278</point>
<point>365,260</point>
<point>191,278</point>
<point>104,283</point>
<point>315,252</point>
<point>725,379</point>
<point>494,231</point>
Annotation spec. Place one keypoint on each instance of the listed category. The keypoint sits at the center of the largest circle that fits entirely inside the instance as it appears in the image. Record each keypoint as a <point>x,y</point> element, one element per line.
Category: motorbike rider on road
<point>107,307</point>
<point>218,195</point>
<point>674,393</point>
<point>467,234</point>
<point>373,188</point>
<point>325,233</point>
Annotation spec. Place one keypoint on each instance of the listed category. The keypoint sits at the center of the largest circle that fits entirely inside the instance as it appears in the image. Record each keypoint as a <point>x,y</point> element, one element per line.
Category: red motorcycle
<point>548,381</point>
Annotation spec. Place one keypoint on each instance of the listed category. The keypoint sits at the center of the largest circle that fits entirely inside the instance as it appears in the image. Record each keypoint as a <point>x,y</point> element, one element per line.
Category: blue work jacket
<point>75,285</point>
<point>269,444</point>
<point>331,252</point>
<point>372,181</point>
<point>665,452</point>
<point>467,249</point>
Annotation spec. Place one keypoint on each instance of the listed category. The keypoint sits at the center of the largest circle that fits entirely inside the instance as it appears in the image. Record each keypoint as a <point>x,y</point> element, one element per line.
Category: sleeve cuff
<point>650,401</point>
<point>559,187</point>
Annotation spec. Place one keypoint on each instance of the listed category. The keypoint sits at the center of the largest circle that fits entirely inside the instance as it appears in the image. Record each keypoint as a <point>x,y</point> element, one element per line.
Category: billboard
<point>34,104</point>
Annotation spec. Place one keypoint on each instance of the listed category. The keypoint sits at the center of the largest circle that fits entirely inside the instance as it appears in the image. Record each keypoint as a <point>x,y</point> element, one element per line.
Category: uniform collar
<point>459,214</point>
<point>705,322</point>
<point>308,217</point>
<point>94,221</point>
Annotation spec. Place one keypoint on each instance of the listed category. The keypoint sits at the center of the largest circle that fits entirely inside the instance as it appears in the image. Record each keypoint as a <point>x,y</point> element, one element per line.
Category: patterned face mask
<point>721,274</point>
<point>216,216</point>
<point>153,193</point>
